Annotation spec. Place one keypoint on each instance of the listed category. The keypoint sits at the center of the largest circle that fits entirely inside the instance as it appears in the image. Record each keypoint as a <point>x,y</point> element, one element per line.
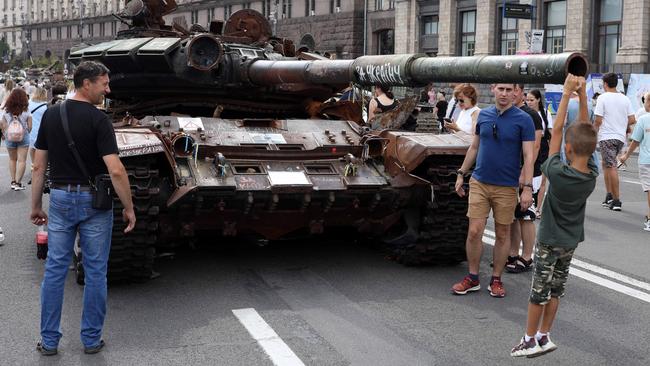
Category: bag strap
<point>37,108</point>
<point>66,128</point>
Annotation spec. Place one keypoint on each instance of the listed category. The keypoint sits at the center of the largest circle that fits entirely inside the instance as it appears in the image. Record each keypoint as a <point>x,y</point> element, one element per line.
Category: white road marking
<point>610,284</point>
<point>630,181</point>
<point>488,238</point>
<point>271,343</point>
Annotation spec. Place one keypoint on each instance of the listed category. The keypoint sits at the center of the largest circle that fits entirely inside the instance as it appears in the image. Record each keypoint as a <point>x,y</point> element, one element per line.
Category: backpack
<point>15,131</point>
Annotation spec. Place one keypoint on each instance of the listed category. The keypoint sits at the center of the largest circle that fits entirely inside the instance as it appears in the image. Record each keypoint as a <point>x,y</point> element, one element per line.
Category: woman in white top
<point>466,121</point>
<point>16,108</point>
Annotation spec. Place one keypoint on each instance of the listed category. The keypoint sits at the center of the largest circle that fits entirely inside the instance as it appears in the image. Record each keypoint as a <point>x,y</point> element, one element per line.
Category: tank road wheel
<point>436,231</point>
<point>132,255</point>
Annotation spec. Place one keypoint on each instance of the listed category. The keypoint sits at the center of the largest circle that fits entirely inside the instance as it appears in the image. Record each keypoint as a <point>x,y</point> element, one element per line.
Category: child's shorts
<point>550,273</point>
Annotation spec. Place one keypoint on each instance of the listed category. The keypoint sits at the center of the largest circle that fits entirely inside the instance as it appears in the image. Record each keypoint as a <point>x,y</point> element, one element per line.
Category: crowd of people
<point>22,105</point>
<point>610,112</point>
<point>524,166</point>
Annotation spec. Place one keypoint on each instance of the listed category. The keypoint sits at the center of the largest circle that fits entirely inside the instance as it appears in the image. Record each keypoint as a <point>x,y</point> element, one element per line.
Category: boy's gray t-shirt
<point>563,213</point>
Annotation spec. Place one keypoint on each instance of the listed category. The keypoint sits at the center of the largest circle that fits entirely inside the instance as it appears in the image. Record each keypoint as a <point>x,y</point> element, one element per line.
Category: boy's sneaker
<point>496,289</point>
<point>465,286</point>
<point>527,349</point>
<point>19,187</point>
<point>546,344</point>
<point>44,351</point>
<point>646,225</point>
<point>615,205</point>
<point>608,199</point>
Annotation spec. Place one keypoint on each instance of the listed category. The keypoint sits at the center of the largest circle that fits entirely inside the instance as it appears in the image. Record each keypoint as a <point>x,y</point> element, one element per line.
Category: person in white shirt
<point>466,121</point>
<point>614,115</point>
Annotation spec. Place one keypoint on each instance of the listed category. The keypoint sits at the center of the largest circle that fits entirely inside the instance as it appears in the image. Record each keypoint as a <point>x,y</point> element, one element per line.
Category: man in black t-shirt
<point>71,209</point>
<point>523,228</point>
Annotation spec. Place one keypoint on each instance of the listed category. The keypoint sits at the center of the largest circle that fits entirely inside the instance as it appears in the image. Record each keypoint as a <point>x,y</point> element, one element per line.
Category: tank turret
<point>242,67</point>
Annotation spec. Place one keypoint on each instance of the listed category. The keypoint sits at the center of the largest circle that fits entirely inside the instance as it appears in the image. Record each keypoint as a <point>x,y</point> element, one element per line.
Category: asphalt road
<point>336,303</point>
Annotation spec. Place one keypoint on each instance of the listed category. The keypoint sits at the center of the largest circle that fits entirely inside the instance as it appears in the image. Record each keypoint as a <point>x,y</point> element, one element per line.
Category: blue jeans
<point>71,212</point>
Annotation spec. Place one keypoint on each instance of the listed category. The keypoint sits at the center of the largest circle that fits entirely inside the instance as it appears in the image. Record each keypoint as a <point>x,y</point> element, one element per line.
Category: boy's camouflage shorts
<point>550,274</point>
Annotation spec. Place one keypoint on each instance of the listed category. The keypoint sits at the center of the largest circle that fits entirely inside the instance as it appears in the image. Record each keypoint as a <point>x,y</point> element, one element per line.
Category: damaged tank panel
<point>231,132</point>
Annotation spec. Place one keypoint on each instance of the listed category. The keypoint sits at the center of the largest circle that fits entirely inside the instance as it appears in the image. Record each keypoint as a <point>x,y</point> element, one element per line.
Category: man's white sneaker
<point>19,187</point>
<point>646,225</point>
<point>2,237</point>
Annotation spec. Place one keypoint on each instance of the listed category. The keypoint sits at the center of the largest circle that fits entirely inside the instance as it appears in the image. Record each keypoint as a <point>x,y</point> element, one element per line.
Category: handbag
<point>101,185</point>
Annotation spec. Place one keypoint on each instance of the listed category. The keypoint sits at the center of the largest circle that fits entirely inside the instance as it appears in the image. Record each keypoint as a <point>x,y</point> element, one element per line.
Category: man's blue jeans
<point>69,213</point>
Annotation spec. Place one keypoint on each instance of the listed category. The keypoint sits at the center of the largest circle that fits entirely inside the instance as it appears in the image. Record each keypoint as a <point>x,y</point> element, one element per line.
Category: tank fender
<point>405,151</point>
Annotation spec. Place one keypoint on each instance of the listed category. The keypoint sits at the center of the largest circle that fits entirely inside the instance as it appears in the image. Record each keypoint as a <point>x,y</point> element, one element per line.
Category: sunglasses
<point>494,131</point>
<point>461,101</point>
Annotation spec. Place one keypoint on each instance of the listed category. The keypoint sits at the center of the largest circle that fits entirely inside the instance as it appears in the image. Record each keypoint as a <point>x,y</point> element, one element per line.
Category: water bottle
<point>41,243</point>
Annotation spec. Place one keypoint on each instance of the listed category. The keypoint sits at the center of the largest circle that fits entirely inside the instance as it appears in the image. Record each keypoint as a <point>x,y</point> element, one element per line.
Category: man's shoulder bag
<point>101,186</point>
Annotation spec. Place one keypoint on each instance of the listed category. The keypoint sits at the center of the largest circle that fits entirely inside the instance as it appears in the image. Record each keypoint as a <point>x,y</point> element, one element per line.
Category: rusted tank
<point>229,132</point>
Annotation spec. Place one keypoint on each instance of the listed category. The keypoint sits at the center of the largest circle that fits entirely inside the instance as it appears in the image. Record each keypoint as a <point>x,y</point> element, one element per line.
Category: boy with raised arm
<point>562,224</point>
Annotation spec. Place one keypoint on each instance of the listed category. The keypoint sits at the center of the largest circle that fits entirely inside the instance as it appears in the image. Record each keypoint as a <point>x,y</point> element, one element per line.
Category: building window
<point>246,5</point>
<point>335,6</point>
<point>379,4</point>
<point>68,32</point>
<point>555,26</point>
<point>227,12</point>
<point>58,33</point>
<point>80,31</point>
<point>102,29</point>
<point>48,33</point>
<point>194,16</point>
<point>468,33</point>
<point>386,42</point>
<point>509,35</point>
<point>430,25</point>
<point>609,30</point>
<point>391,4</point>
<point>210,15</point>
<point>91,30</point>
<point>286,9</point>
<point>310,7</point>
<point>113,28</point>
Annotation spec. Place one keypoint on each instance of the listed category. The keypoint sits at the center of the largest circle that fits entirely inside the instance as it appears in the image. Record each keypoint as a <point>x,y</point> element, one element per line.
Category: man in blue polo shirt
<point>503,133</point>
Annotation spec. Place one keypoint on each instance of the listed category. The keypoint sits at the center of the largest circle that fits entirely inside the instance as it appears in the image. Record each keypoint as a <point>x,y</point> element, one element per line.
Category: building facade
<point>614,34</point>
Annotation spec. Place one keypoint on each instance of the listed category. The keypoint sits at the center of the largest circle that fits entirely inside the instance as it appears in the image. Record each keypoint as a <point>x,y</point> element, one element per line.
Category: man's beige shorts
<point>483,197</point>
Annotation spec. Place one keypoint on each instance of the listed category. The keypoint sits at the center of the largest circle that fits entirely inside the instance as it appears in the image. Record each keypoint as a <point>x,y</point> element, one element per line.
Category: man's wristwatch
<point>529,185</point>
<point>460,172</point>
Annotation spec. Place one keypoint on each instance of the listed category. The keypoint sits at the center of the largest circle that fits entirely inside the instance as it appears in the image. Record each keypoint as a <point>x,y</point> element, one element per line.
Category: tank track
<point>132,255</point>
<point>441,227</point>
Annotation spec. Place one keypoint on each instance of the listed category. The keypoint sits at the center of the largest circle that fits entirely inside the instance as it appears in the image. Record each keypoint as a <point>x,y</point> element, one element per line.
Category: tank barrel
<point>409,70</point>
